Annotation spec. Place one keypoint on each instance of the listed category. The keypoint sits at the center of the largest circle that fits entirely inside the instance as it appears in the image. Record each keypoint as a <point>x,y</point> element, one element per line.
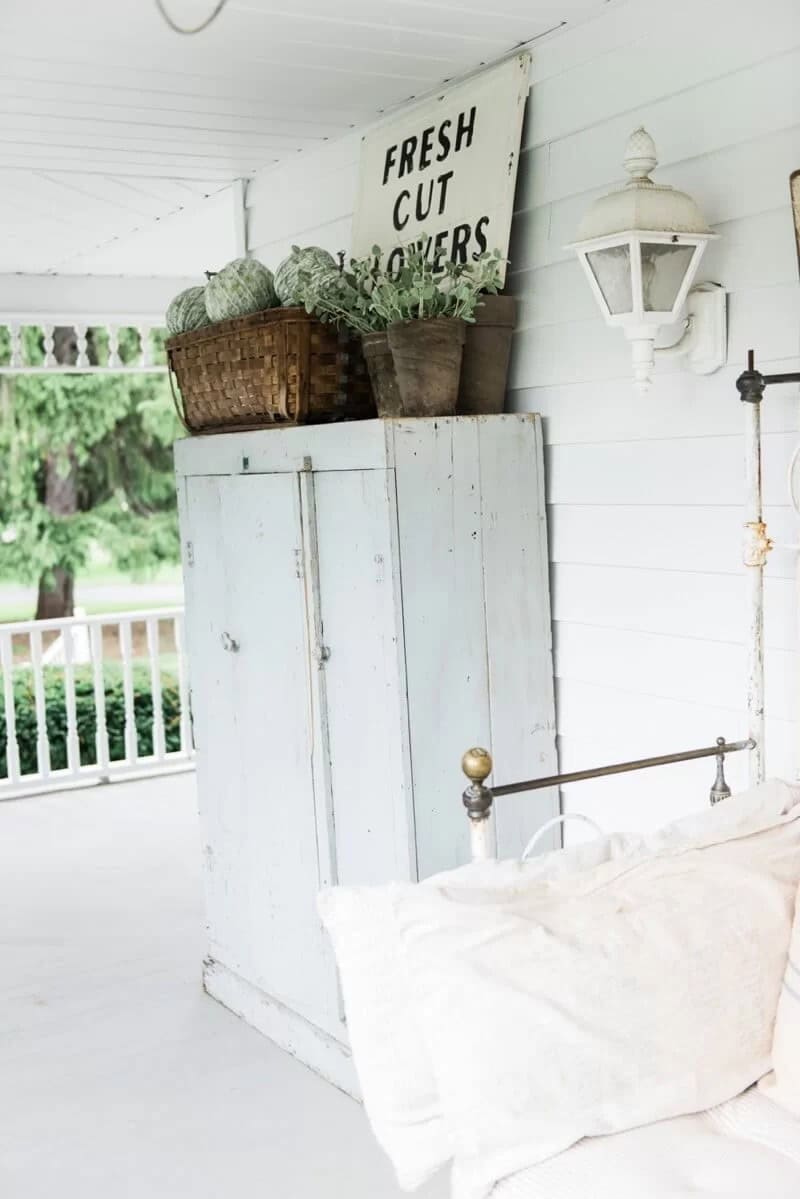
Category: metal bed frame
<point>479,799</point>
<point>477,763</point>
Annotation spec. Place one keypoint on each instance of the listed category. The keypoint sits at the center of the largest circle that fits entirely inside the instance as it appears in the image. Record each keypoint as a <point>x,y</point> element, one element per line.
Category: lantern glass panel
<point>611,268</point>
<point>664,268</point>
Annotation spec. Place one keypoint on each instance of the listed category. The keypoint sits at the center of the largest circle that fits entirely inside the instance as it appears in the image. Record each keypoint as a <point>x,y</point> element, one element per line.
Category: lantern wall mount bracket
<point>704,341</point>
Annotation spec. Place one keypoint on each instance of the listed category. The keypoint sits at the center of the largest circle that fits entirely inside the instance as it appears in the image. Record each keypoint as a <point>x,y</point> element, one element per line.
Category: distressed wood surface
<point>475,599</point>
<point>266,610</point>
<point>355,445</point>
<point>440,545</point>
<point>220,783</point>
<point>378,621</point>
<point>518,625</point>
<point>362,630</point>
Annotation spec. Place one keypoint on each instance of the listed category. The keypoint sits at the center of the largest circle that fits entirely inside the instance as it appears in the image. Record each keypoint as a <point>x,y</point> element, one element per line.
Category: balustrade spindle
<point>153,652</point>
<point>145,346</point>
<point>42,739</point>
<point>15,336</point>
<point>7,667</point>
<point>183,685</point>
<point>73,744</point>
<point>81,332</point>
<point>48,333</point>
<point>114,359</point>
<point>126,652</point>
<point>99,683</point>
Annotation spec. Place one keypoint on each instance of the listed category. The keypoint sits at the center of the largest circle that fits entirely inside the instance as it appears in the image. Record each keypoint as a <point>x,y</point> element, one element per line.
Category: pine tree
<point>84,458</point>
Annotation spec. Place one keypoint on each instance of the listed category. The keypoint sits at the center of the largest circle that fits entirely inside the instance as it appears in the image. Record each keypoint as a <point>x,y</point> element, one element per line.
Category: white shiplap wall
<point>645,494</point>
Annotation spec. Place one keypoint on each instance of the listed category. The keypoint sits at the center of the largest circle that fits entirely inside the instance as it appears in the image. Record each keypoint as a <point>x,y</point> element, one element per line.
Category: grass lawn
<point>95,573</point>
<point>100,589</point>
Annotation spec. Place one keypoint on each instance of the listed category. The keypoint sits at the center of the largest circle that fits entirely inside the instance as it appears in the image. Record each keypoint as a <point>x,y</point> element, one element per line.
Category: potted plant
<point>426,306</point>
<point>412,323</point>
<point>345,299</point>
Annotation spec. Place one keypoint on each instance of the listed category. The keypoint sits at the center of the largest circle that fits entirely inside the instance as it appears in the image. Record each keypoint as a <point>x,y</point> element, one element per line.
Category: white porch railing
<point>143,363</point>
<point>69,699</point>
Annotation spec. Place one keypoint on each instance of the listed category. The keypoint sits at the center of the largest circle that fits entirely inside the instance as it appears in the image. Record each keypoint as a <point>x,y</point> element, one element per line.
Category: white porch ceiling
<point>110,122</point>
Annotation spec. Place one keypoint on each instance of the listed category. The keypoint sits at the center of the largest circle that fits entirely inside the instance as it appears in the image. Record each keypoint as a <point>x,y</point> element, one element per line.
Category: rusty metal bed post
<point>477,766</point>
<point>757,545</point>
<point>751,385</point>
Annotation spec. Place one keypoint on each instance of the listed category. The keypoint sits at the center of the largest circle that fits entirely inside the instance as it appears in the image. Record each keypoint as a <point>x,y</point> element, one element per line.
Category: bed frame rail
<point>479,799</point>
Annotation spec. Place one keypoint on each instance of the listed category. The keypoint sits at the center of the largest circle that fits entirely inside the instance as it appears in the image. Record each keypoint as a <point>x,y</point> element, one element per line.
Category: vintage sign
<point>445,169</point>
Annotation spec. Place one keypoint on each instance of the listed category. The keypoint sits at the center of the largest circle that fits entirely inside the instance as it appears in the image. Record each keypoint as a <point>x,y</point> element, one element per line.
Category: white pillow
<point>390,1054</point>
<point>783,1086</point>
<point>643,989</point>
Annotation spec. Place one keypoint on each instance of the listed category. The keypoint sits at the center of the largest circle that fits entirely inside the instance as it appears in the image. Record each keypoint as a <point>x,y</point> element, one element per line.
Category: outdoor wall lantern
<point>640,247</point>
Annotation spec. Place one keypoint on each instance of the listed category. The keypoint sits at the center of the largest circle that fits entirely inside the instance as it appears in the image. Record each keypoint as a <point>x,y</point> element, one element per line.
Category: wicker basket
<point>278,367</point>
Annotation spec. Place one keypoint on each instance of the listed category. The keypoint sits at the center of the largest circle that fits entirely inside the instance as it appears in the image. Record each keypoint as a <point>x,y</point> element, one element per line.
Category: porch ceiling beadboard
<point>110,121</point>
<point>645,494</point>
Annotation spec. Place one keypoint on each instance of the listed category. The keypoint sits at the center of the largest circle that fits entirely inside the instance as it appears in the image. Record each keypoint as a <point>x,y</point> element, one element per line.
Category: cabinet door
<point>365,676</point>
<point>476,612</point>
<point>249,664</point>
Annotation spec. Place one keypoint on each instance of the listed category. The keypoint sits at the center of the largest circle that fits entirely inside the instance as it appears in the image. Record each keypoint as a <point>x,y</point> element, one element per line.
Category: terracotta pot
<point>487,350</point>
<point>427,362</point>
<point>380,365</point>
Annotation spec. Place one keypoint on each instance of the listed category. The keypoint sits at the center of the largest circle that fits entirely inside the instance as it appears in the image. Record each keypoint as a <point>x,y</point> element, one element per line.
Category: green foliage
<point>115,431</point>
<point>369,297</point>
<point>25,709</point>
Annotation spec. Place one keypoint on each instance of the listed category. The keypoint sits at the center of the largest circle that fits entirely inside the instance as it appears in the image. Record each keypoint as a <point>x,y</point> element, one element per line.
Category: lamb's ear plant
<point>368,298</point>
<point>337,299</point>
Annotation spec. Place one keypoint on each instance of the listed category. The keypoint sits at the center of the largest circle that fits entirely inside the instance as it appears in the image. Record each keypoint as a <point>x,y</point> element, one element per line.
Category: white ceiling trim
<point>90,300</point>
<point>111,124</point>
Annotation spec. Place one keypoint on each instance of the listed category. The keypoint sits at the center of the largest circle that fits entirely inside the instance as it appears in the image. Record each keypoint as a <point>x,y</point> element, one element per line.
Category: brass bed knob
<point>477,764</point>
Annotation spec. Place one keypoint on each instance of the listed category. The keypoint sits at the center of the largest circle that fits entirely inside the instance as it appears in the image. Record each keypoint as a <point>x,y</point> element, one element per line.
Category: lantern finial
<point>640,155</point>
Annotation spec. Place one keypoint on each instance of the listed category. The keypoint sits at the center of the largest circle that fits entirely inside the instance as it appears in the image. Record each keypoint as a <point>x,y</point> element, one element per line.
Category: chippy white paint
<point>482,839</point>
<point>756,547</point>
<point>385,586</point>
<point>445,169</point>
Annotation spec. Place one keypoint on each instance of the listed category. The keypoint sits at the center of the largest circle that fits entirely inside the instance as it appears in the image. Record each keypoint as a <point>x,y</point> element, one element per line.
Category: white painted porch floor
<point>119,1078</point>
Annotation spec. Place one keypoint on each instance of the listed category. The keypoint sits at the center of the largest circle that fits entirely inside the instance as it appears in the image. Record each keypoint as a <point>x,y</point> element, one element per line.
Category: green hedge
<point>25,709</point>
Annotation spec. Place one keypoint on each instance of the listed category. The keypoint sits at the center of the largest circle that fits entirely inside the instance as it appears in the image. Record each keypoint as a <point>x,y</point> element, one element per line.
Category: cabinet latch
<point>229,643</point>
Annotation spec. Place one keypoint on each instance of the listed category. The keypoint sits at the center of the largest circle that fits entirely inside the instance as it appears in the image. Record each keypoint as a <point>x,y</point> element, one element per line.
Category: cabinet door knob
<point>229,643</point>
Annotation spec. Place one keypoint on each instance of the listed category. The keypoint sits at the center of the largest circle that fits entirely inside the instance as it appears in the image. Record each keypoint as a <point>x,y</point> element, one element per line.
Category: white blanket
<point>639,991</point>
<point>748,1148</point>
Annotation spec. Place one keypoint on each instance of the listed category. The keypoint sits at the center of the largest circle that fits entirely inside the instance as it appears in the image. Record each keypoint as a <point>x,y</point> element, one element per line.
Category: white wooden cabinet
<point>363,602</point>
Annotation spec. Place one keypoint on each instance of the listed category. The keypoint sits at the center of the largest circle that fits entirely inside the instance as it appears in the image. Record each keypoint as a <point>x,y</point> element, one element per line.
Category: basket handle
<point>178,404</point>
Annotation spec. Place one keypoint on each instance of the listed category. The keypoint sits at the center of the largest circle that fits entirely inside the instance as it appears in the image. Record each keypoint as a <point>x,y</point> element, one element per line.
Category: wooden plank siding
<point>644,493</point>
